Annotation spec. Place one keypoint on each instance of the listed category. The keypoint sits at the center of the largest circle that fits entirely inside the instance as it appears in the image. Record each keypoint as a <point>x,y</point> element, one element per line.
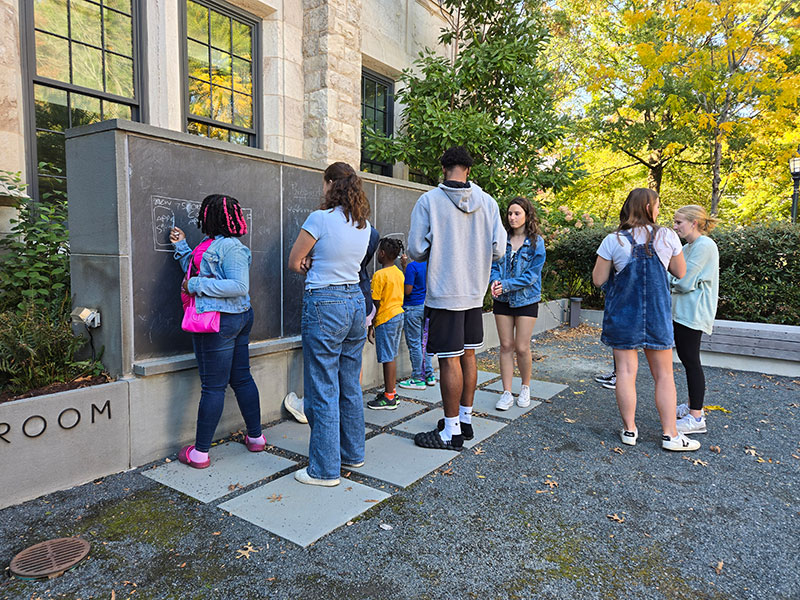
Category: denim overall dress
<point>638,311</point>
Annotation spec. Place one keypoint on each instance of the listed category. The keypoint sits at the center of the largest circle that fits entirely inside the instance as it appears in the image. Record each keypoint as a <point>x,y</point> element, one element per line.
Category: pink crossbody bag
<point>193,321</point>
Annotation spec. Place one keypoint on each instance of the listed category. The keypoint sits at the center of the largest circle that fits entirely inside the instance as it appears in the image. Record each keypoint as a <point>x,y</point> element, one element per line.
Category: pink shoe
<point>183,456</point>
<point>255,446</point>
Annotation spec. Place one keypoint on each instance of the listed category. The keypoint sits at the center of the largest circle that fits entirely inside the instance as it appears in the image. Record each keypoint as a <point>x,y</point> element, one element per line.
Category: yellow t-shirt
<point>387,288</point>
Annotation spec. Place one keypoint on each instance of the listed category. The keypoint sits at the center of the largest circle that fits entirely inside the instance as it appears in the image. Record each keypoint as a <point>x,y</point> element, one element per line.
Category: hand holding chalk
<point>176,235</point>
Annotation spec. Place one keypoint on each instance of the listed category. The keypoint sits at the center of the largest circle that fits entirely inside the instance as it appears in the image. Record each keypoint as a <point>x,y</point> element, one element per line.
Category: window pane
<point>51,108</point>
<point>49,185</point>
<point>197,21</point>
<point>52,57</point>
<point>198,60</point>
<point>118,33</point>
<point>369,92</point>
<point>85,109</point>
<point>222,105</point>
<point>85,22</point>
<point>123,5</point>
<point>119,75</point>
<point>50,148</point>
<point>242,42</point>
<point>242,110</point>
<point>112,110</point>
<point>242,76</point>
<point>197,128</point>
<point>380,101</point>
<point>51,15</point>
<point>218,133</point>
<point>220,68</point>
<point>199,98</point>
<point>87,66</point>
<point>240,138</point>
<point>220,31</point>
<point>380,122</point>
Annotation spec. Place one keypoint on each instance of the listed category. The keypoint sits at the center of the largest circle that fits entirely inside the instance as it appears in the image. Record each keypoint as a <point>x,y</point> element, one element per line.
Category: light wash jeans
<point>414,323</point>
<point>333,333</point>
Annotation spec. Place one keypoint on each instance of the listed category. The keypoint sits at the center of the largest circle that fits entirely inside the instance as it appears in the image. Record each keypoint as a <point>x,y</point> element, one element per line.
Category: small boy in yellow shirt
<point>387,293</point>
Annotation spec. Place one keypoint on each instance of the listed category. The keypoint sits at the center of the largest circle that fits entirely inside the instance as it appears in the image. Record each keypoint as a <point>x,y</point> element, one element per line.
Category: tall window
<point>83,70</point>
<point>220,76</point>
<point>377,114</point>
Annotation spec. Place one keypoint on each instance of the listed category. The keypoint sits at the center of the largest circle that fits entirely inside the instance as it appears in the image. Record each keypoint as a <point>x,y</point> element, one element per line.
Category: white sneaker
<point>689,424</point>
<point>629,437</point>
<point>679,443</point>
<point>681,411</point>
<point>295,407</point>
<point>505,402</point>
<point>524,398</point>
<point>303,477</point>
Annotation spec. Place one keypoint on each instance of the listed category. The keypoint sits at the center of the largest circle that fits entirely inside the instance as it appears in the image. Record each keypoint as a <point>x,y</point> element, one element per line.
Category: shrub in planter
<point>570,260</point>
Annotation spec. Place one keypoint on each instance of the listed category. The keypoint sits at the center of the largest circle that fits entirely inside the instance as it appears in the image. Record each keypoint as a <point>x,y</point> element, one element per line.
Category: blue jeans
<point>333,333</point>
<point>414,321</point>
<point>224,358</point>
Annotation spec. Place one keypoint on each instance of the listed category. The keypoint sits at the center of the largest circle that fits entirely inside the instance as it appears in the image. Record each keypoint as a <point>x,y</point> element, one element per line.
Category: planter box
<point>57,441</point>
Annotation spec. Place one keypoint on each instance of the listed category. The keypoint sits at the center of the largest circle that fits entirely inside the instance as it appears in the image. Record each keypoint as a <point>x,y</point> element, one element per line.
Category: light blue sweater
<point>694,296</point>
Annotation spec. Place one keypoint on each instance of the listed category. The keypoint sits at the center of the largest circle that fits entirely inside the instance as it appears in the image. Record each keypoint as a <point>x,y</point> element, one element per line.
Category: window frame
<point>386,168</point>
<point>31,79</point>
<point>256,134</point>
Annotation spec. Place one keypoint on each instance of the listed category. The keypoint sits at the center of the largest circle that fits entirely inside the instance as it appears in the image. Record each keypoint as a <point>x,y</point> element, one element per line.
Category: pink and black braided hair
<point>221,215</point>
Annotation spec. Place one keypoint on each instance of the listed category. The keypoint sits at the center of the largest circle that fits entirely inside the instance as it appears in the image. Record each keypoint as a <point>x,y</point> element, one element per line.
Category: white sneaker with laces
<point>629,437</point>
<point>303,477</point>
<point>679,443</point>
<point>681,411</point>
<point>524,398</point>
<point>689,424</point>
<point>505,402</point>
<point>294,405</point>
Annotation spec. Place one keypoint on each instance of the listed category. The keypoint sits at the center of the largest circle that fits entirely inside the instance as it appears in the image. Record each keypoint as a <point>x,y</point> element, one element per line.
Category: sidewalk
<point>547,505</point>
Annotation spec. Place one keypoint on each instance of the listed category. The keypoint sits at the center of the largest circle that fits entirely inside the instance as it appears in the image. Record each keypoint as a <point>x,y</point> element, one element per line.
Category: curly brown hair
<point>346,191</point>
<point>532,229</point>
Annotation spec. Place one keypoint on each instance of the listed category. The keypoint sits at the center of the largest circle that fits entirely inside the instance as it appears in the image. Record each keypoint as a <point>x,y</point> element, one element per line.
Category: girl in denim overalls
<point>631,267</point>
<point>222,284</point>
<point>517,288</point>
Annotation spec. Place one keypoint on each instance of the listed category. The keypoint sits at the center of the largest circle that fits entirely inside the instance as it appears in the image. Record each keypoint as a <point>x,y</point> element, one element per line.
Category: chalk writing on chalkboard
<point>174,212</point>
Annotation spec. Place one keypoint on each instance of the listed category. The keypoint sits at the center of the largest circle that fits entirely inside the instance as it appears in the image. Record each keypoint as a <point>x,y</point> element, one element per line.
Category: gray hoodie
<point>459,233</point>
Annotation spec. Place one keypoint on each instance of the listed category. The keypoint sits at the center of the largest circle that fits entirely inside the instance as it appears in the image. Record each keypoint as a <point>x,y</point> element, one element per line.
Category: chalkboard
<point>169,180</point>
<point>394,206</point>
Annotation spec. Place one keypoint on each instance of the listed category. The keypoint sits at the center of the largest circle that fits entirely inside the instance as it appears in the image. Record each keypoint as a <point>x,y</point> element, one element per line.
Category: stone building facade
<point>294,77</point>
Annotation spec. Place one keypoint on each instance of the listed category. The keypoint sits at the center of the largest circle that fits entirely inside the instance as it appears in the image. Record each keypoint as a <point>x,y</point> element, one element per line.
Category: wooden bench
<point>761,340</point>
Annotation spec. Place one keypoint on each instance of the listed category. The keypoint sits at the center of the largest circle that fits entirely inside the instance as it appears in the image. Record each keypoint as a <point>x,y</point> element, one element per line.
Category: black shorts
<point>504,308</point>
<point>450,332</point>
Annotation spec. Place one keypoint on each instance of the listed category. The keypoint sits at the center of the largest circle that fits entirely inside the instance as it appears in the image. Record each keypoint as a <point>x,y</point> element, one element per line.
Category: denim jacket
<point>224,280</point>
<point>520,276</point>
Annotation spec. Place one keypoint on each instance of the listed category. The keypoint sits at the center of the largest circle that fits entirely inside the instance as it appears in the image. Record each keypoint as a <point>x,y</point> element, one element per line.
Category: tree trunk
<point>654,176</point>
<point>716,160</point>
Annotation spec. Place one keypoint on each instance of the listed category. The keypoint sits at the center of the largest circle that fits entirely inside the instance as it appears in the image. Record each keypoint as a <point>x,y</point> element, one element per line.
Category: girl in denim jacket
<point>222,285</point>
<point>517,288</point>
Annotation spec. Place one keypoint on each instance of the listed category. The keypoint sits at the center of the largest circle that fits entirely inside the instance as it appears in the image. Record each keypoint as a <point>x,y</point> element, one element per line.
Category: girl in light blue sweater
<point>694,306</point>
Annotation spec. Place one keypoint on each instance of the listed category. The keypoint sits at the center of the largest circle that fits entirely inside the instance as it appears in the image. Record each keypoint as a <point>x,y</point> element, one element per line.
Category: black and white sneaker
<point>466,429</point>
<point>432,439</point>
<point>611,384</point>
<point>606,377</point>
<point>679,443</point>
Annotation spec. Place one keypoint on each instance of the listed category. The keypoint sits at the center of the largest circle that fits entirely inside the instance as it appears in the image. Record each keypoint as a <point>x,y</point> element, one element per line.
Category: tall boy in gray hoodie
<point>457,229</point>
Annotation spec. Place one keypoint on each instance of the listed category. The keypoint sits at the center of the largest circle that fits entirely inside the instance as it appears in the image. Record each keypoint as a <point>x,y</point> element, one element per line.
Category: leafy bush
<point>570,260</point>
<point>759,277</point>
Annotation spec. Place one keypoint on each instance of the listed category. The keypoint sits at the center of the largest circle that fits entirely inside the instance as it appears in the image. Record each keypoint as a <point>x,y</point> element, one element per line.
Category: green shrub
<point>570,260</point>
<point>759,278</point>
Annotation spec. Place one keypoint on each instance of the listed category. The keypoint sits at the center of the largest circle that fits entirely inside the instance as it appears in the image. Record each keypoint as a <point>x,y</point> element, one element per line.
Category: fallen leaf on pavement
<point>480,450</point>
<point>716,449</point>
<point>550,483</point>
<point>616,518</point>
<point>234,486</point>
<point>619,450</point>
<point>275,498</point>
<point>750,450</point>
<point>246,551</point>
<point>371,500</point>
<point>386,527</point>
<point>216,533</point>
<point>717,407</point>
<point>570,420</point>
<point>718,567</point>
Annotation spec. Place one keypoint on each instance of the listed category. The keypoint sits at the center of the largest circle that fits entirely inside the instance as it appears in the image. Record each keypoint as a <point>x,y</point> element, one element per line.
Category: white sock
<point>451,427</point>
<point>465,414</point>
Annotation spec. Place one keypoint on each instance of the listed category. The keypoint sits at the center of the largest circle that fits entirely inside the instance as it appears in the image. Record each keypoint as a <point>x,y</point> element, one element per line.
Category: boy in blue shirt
<point>414,308</point>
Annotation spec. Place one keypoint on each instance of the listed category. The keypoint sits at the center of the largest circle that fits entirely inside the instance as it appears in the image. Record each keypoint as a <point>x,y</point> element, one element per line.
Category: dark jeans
<point>223,358</point>
<point>687,344</point>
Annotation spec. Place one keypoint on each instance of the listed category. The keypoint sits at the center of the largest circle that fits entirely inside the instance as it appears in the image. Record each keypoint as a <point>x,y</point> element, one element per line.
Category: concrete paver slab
<point>381,418</point>
<point>283,507</point>
<point>484,376</point>
<point>425,422</point>
<point>289,435</point>
<point>539,389</point>
<point>485,401</point>
<point>231,463</point>
<point>433,394</point>
<point>397,460</point>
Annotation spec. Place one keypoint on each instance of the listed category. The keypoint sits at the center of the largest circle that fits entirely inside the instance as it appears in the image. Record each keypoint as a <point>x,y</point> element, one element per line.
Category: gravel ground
<point>550,507</point>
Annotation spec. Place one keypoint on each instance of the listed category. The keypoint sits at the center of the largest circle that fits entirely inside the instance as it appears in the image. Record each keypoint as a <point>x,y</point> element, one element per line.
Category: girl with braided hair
<point>222,281</point>
<point>388,285</point>
<point>328,251</point>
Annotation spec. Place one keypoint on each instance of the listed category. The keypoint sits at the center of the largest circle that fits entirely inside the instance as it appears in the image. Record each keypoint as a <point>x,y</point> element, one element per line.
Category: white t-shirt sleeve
<point>606,249</point>
<point>314,224</point>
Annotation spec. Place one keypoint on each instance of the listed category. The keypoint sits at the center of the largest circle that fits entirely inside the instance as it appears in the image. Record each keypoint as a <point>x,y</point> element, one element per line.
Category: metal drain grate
<point>50,558</point>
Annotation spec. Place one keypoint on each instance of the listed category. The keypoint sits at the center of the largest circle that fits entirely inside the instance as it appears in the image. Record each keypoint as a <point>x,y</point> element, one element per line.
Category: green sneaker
<point>412,384</point>
<point>431,380</point>
<point>381,402</point>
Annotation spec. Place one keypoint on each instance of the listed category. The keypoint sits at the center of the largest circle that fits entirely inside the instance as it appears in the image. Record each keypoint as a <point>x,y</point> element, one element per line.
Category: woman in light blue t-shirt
<point>329,251</point>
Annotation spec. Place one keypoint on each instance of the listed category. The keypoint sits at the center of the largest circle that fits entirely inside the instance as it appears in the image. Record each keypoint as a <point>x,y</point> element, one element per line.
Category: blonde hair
<point>693,212</point>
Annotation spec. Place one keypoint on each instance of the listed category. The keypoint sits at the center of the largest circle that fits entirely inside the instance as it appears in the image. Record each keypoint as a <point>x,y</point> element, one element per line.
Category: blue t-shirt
<point>415,276</point>
<point>339,249</point>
